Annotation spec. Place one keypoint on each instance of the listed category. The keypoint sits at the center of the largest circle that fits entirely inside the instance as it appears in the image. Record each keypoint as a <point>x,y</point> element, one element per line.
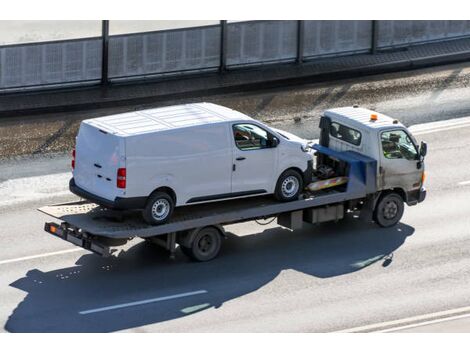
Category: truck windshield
<point>398,145</point>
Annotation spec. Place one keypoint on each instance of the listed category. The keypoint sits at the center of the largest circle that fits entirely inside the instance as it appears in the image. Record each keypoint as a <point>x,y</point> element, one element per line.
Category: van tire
<point>289,186</point>
<point>389,210</point>
<point>158,209</point>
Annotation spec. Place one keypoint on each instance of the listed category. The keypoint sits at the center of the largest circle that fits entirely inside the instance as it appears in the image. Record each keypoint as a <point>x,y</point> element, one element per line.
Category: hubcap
<point>390,210</point>
<point>205,244</point>
<point>160,209</point>
<point>290,186</point>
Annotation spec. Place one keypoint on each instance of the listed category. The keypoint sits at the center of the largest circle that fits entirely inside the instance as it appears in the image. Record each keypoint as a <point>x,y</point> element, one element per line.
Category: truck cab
<point>400,160</point>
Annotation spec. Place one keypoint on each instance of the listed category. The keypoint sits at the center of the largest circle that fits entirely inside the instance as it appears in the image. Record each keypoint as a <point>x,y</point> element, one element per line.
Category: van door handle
<point>98,166</point>
<point>241,158</point>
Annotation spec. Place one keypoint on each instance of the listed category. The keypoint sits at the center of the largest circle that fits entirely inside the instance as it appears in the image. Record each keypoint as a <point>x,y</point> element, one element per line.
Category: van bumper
<point>118,203</point>
<point>308,174</point>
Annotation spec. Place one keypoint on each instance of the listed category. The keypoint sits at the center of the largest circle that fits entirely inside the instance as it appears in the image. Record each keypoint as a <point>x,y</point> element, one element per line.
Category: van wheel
<point>158,209</point>
<point>389,210</point>
<point>205,245</point>
<point>289,186</point>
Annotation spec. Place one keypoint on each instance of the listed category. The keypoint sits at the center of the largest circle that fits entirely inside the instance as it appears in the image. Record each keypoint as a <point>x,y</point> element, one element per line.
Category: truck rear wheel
<point>158,209</point>
<point>389,210</point>
<point>205,245</point>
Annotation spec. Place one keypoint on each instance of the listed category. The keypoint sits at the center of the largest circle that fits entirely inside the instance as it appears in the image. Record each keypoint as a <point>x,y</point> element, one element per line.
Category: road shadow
<point>55,299</point>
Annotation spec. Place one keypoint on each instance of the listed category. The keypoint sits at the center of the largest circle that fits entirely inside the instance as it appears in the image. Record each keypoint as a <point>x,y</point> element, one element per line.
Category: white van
<point>157,159</point>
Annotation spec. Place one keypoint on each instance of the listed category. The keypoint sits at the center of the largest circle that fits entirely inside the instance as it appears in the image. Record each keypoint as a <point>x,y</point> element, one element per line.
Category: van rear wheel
<point>158,209</point>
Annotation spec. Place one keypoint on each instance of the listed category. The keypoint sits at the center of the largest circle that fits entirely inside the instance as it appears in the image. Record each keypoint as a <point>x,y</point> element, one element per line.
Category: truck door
<point>399,161</point>
<point>254,159</point>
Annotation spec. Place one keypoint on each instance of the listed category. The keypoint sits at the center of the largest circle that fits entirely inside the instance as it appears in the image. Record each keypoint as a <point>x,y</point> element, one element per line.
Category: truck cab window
<point>251,137</point>
<point>398,145</point>
<point>345,133</point>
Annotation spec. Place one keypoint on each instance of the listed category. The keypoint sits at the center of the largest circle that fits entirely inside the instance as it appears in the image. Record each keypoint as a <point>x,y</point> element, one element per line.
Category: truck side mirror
<point>423,149</point>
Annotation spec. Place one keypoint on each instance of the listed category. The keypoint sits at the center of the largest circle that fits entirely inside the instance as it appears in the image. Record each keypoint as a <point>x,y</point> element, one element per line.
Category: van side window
<point>251,137</point>
<point>398,145</point>
<point>345,133</point>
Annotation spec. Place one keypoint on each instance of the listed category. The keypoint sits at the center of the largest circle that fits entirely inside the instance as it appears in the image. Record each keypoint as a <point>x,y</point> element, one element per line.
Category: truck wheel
<point>289,186</point>
<point>205,246</point>
<point>389,210</point>
<point>158,209</point>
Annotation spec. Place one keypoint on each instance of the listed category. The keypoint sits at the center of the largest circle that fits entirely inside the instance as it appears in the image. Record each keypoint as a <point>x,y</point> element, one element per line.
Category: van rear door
<point>98,156</point>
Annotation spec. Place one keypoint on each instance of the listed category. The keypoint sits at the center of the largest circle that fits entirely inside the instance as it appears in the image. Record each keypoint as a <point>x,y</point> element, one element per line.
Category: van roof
<point>166,118</point>
<point>360,118</point>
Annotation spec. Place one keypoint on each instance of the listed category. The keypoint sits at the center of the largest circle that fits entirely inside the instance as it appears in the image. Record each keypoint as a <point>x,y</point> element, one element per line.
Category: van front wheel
<point>158,209</point>
<point>289,186</point>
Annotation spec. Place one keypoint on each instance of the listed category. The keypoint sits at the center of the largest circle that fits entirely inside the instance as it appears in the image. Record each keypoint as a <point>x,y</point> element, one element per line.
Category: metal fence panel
<point>164,51</point>
<point>402,33</point>
<point>260,42</point>
<point>336,37</point>
<point>62,62</point>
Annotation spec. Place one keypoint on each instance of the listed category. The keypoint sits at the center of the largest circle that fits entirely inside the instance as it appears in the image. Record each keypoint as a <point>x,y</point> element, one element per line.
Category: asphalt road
<point>323,278</point>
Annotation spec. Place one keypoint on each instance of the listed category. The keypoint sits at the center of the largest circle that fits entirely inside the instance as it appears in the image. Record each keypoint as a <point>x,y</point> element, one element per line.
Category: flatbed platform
<point>108,223</point>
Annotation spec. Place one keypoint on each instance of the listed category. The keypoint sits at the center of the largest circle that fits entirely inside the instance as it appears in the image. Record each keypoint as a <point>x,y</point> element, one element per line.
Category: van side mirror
<point>423,149</point>
<point>274,142</point>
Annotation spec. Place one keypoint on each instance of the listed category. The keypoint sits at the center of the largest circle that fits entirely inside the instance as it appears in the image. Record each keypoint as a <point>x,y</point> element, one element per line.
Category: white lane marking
<point>440,125</point>
<point>424,323</point>
<point>8,261</point>
<point>388,325</point>
<point>434,130</point>
<point>138,303</point>
<point>464,183</point>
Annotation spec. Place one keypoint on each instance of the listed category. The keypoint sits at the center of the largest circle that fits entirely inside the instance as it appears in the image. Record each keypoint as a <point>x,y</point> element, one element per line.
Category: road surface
<point>351,276</point>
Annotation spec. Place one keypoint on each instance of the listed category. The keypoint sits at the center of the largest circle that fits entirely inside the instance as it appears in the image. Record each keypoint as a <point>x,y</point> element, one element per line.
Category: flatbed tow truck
<point>199,229</point>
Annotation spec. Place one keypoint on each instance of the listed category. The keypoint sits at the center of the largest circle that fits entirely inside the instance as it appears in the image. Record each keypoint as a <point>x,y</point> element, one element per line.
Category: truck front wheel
<point>389,210</point>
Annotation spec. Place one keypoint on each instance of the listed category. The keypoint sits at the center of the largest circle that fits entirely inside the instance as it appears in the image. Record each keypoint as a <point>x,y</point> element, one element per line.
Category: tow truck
<point>365,162</point>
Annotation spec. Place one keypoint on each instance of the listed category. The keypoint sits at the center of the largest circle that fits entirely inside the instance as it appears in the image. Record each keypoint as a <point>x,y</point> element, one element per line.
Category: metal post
<point>300,41</point>
<point>374,37</point>
<point>104,52</point>
<point>223,46</point>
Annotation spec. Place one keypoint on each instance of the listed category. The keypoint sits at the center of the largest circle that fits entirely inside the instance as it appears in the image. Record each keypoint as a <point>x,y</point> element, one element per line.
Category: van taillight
<point>121,178</point>
<point>73,158</point>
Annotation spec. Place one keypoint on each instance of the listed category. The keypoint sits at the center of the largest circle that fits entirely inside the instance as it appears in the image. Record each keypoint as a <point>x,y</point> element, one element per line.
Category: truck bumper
<point>415,197</point>
<point>118,203</point>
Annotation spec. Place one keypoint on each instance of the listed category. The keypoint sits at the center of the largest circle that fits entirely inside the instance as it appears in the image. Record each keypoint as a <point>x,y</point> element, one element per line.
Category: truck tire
<point>158,209</point>
<point>205,245</point>
<point>389,210</point>
<point>289,186</point>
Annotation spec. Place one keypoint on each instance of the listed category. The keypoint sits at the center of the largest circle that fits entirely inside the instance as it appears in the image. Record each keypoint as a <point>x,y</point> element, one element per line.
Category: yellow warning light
<point>373,117</point>
<point>423,177</point>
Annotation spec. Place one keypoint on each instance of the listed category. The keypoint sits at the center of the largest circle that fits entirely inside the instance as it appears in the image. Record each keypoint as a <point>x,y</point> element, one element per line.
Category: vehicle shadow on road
<point>55,299</point>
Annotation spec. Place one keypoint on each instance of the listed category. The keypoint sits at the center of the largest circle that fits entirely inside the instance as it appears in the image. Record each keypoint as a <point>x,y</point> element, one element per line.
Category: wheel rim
<point>390,210</point>
<point>206,244</point>
<point>160,209</point>
<point>289,186</point>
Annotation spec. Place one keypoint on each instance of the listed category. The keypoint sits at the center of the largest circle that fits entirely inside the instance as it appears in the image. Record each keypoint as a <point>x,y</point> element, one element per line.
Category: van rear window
<point>345,133</point>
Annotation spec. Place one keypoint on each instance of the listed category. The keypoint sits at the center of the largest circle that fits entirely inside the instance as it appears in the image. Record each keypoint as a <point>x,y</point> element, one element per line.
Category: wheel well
<point>294,169</point>
<point>167,190</point>
<point>398,191</point>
